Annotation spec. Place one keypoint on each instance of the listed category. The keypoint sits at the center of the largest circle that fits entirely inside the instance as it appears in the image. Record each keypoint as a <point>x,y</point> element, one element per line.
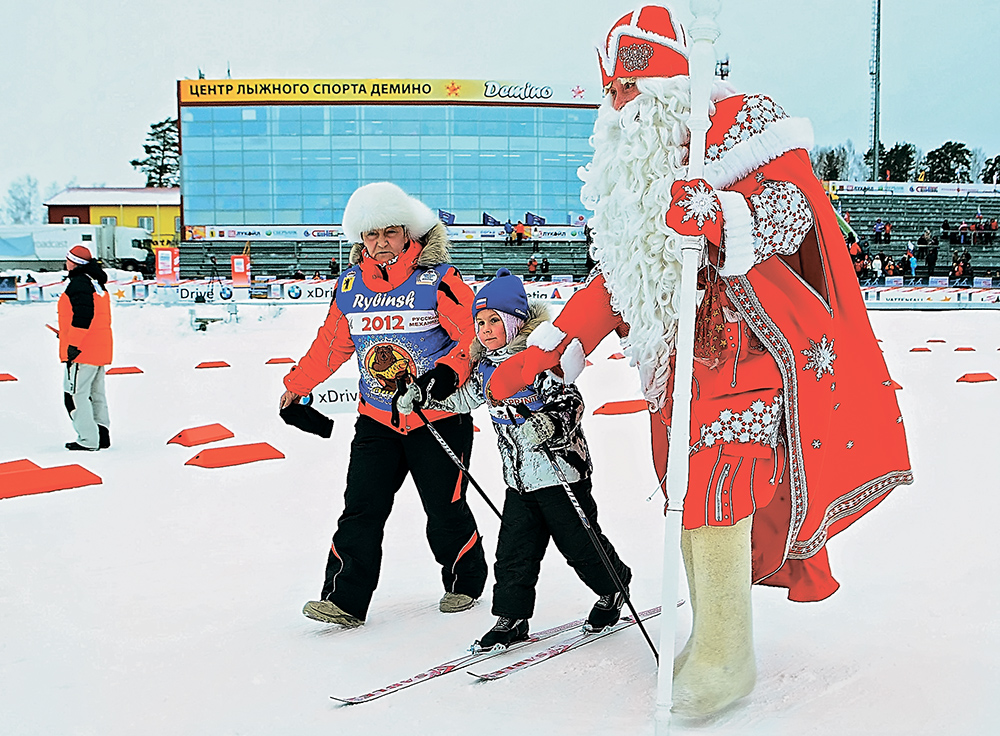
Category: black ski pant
<point>529,520</point>
<point>380,460</point>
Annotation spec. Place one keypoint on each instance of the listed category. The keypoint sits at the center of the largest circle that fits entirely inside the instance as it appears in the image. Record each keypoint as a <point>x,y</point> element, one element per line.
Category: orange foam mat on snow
<point>213,364</point>
<point>622,407</point>
<point>976,378</point>
<point>7,377</point>
<point>15,465</point>
<point>920,350</point>
<point>122,370</point>
<point>965,350</point>
<point>616,356</point>
<point>224,457</point>
<point>936,341</point>
<point>200,435</point>
<point>272,361</point>
<point>31,480</point>
<point>894,386</point>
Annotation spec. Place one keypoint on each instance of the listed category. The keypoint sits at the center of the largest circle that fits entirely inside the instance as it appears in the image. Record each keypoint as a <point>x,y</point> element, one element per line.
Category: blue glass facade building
<point>297,164</point>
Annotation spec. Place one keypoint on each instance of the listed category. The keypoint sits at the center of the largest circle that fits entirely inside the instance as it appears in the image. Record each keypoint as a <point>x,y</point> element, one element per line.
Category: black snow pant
<point>529,520</point>
<point>380,460</point>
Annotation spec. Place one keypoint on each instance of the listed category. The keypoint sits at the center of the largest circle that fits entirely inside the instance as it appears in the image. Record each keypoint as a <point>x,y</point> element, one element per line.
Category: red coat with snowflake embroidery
<point>790,383</point>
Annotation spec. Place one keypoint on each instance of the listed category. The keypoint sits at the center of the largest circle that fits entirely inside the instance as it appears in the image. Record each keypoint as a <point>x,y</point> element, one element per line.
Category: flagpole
<point>701,63</point>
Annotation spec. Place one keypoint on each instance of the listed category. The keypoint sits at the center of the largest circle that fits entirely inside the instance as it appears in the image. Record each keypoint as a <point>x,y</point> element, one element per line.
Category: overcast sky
<point>82,81</point>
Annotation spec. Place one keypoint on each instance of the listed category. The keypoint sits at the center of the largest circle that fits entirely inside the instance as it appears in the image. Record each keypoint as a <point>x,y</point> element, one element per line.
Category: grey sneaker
<point>455,602</point>
<point>331,613</point>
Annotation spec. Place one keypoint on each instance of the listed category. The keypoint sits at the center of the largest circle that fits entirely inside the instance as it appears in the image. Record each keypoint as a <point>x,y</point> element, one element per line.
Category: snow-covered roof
<point>113,196</point>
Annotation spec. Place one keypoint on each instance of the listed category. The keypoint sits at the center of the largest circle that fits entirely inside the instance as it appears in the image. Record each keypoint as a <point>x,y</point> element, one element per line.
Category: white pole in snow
<point>701,62</point>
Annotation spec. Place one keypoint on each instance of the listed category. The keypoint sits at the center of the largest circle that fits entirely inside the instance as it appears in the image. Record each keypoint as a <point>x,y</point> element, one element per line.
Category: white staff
<point>704,30</point>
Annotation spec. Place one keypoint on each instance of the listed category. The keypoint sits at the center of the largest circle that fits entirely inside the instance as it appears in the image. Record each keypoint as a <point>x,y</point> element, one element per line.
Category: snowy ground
<point>167,600</point>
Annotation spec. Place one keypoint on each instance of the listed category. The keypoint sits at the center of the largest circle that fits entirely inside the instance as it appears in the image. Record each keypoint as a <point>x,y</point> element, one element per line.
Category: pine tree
<point>162,163</point>
<point>949,163</point>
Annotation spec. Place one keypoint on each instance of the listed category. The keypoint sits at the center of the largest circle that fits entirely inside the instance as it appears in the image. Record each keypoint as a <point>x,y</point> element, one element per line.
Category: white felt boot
<point>718,664</point>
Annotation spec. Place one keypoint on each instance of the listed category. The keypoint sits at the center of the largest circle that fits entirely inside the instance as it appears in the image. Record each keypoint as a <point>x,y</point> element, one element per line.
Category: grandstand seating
<point>471,257</point>
<point>911,214</point>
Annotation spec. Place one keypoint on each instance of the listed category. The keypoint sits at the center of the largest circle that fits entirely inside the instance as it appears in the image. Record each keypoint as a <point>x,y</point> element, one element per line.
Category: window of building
<point>71,221</point>
<point>177,224</point>
<point>146,223</point>
<point>109,220</point>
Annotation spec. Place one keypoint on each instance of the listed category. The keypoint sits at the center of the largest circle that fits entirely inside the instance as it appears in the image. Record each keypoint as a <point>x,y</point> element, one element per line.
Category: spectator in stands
<point>532,268</point>
<point>543,267</point>
<point>913,263</point>
<point>316,276</point>
<point>509,230</point>
<point>878,230</point>
<point>963,233</point>
<point>334,268</point>
<point>519,232</point>
<point>925,237</point>
<point>957,269</point>
<point>847,216</point>
<point>931,259</point>
<point>992,231</point>
<point>890,268</point>
<point>298,274</point>
<point>888,232</point>
<point>877,265</point>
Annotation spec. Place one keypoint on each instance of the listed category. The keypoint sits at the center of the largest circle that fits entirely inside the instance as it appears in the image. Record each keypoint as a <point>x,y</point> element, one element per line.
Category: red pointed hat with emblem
<point>648,42</point>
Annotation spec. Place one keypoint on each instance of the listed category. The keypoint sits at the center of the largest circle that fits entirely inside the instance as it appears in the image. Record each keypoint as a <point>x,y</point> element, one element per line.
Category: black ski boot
<point>605,612</point>
<point>506,632</point>
<point>104,434</point>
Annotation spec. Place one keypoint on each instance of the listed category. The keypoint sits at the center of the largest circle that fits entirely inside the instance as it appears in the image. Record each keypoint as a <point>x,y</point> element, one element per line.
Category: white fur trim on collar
<point>776,139</point>
<point>546,336</point>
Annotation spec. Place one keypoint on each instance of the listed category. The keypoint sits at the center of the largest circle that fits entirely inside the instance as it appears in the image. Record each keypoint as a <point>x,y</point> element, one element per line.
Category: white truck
<point>44,247</point>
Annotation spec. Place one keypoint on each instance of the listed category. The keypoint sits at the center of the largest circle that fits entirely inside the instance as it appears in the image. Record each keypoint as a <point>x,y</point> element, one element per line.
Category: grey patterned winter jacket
<point>526,468</point>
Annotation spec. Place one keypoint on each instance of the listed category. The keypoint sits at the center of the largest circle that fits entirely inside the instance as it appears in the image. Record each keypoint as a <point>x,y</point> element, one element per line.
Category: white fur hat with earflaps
<point>383,204</point>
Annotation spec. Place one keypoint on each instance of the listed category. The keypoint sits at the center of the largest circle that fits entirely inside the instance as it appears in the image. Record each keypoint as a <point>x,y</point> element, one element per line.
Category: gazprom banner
<point>333,91</point>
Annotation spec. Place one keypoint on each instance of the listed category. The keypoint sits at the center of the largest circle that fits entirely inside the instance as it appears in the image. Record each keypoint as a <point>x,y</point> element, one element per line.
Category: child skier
<point>536,506</point>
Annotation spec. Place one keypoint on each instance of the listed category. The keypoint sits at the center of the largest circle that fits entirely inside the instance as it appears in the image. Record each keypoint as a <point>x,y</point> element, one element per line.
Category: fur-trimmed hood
<point>435,248</point>
<point>538,314</point>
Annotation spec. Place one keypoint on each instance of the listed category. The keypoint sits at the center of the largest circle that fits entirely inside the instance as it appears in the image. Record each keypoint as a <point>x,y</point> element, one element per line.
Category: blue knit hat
<point>505,293</point>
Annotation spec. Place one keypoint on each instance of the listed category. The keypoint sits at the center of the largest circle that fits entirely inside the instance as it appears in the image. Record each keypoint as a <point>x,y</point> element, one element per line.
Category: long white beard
<point>638,154</point>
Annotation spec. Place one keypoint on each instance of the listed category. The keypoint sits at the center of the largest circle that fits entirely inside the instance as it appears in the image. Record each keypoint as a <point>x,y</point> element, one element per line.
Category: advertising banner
<point>353,91</point>
<point>168,265</point>
<point>240,267</point>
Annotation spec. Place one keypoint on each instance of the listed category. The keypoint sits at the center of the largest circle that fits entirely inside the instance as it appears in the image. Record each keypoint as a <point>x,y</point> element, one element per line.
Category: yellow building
<point>154,209</point>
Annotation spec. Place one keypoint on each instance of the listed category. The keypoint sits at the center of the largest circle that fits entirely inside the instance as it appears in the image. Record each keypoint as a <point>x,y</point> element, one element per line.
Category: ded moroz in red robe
<point>794,416</point>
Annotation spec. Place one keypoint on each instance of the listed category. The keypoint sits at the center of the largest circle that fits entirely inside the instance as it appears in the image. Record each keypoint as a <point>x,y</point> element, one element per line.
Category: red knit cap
<point>80,255</point>
<point>648,42</point>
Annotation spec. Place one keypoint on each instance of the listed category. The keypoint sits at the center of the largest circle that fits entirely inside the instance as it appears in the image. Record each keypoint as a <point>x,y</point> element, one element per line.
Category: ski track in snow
<point>167,600</point>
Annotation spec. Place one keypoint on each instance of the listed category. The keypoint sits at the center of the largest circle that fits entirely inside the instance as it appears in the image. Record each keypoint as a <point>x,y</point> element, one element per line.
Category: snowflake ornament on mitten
<point>695,210</point>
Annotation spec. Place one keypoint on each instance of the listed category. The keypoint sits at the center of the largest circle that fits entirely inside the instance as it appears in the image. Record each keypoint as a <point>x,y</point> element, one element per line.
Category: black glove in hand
<point>438,383</point>
<point>72,353</point>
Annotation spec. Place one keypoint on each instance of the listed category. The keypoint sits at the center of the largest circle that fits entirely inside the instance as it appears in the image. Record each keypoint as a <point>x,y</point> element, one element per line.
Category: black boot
<point>506,632</point>
<point>105,437</point>
<point>78,446</point>
<point>606,611</point>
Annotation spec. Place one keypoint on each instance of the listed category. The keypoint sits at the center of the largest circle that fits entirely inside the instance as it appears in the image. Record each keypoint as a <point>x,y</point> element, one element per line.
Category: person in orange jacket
<point>86,347</point>
<point>404,311</point>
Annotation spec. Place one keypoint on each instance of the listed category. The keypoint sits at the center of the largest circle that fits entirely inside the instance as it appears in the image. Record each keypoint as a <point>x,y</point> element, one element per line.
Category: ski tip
<point>343,701</point>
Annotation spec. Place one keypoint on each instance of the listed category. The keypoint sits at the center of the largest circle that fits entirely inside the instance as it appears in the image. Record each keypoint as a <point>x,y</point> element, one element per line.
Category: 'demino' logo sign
<point>385,362</point>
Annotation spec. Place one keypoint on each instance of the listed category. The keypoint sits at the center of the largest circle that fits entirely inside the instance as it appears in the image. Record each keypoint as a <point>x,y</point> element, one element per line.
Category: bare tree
<point>23,206</point>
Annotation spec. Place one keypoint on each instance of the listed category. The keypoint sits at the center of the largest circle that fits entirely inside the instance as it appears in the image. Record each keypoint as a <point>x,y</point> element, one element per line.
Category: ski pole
<point>401,388</point>
<point>526,412</point>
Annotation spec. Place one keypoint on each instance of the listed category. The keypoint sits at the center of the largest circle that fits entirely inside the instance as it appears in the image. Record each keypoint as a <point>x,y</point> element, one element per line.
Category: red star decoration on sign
<point>453,89</point>
<point>578,91</point>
